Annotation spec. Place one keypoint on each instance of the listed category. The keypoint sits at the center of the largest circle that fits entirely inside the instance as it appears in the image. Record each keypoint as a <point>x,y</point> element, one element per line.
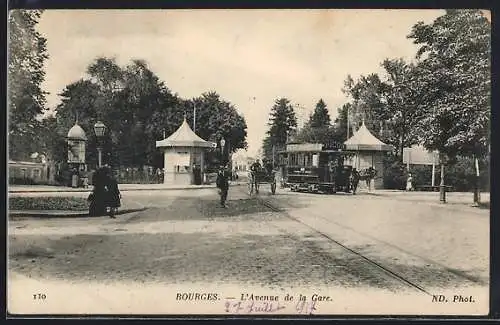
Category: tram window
<point>315,160</point>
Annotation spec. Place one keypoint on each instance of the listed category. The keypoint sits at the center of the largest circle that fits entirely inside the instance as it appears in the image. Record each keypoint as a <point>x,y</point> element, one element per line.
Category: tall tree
<point>217,119</point>
<point>401,112</point>
<point>367,98</point>
<point>454,62</point>
<point>340,123</point>
<point>124,98</point>
<point>139,109</point>
<point>320,117</point>
<point>26,99</point>
<point>282,122</point>
<point>455,82</point>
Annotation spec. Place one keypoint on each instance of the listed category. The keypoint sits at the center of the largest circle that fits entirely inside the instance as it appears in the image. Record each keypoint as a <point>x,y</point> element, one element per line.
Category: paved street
<point>290,240</point>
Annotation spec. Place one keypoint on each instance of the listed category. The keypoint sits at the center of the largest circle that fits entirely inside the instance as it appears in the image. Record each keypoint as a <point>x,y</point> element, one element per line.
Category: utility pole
<point>273,154</point>
<point>347,122</point>
<point>477,194</point>
<point>194,117</point>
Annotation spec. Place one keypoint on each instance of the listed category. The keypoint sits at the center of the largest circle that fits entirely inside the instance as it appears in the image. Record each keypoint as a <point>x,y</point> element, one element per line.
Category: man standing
<point>256,166</point>
<point>409,183</point>
<point>354,180</point>
<point>223,184</point>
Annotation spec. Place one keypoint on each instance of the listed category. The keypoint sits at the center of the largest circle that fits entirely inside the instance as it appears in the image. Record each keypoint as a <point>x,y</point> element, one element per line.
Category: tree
<point>387,105</point>
<point>324,134</point>
<point>26,99</point>
<point>320,117</point>
<point>455,85</point>
<point>367,102</point>
<point>138,110</point>
<point>340,123</point>
<point>282,122</point>
<point>401,112</point>
<point>455,81</point>
<point>217,119</point>
<point>125,99</point>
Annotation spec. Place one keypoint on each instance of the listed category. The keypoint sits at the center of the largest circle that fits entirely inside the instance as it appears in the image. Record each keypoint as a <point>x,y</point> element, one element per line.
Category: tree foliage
<point>454,82</point>
<point>320,117</point>
<point>282,124</point>
<point>138,110</point>
<point>26,99</point>
<point>340,123</point>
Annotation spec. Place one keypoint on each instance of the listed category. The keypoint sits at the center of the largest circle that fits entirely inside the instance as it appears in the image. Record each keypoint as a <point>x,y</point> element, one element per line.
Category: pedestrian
<point>371,173</point>
<point>97,198</point>
<point>409,182</point>
<point>355,180</point>
<point>256,166</point>
<point>113,194</point>
<point>222,183</point>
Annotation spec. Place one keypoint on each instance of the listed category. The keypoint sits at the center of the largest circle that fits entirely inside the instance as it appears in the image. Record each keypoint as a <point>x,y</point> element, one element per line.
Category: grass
<point>48,203</point>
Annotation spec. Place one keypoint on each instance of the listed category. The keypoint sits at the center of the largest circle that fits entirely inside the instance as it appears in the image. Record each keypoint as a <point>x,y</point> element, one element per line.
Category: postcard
<point>249,162</point>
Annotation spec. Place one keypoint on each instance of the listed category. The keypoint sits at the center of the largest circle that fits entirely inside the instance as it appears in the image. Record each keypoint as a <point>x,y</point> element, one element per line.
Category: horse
<point>367,175</point>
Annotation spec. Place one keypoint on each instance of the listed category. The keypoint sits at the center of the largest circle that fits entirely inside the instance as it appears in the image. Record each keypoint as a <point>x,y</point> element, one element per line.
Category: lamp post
<point>222,144</point>
<point>442,188</point>
<point>100,130</point>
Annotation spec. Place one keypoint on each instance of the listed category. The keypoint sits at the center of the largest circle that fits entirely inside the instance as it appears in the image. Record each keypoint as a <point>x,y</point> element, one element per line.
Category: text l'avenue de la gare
<point>204,296</point>
<point>251,303</point>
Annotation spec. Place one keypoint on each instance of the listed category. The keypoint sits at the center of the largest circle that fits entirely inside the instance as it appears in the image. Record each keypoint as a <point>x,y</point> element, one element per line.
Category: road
<point>286,241</point>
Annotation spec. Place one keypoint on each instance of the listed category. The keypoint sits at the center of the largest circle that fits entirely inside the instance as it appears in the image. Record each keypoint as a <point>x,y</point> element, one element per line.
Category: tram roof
<point>314,151</point>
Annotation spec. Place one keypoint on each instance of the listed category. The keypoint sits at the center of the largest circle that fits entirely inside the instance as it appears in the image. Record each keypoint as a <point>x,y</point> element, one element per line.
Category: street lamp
<point>100,130</point>
<point>222,144</point>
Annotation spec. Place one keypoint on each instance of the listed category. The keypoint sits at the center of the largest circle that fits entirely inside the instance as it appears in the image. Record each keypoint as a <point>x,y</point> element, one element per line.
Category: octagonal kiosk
<point>369,152</point>
<point>184,156</point>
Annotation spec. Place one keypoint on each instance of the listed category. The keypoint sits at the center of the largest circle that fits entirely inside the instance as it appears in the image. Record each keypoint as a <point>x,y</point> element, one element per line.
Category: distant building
<point>241,162</point>
<point>31,172</point>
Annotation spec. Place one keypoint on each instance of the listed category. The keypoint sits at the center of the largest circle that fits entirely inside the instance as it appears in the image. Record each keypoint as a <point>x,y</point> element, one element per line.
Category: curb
<point>69,190</point>
<point>63,214</point>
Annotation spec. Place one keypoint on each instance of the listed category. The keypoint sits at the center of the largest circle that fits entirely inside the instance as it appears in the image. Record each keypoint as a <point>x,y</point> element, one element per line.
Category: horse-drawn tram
<point>316,167</point>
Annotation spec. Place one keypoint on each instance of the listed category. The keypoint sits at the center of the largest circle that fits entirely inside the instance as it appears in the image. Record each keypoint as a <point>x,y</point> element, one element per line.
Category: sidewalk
<point>122,187</point>
<point>127,207</point>
<point>453,199</point>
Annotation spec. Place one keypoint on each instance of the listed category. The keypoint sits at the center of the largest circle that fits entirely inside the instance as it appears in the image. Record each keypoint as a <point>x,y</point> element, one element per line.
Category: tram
<point>316,167</point>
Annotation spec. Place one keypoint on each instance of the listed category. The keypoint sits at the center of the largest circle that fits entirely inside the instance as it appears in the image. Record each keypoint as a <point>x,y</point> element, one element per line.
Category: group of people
<point>105,198</point>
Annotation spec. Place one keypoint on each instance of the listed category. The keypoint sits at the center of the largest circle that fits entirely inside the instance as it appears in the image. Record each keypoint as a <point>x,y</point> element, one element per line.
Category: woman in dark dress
<point>113,194</point>
<point>97,198</point>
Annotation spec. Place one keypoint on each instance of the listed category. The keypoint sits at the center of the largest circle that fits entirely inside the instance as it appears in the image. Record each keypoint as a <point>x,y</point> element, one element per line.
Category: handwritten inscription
<point>251,306</point>
<point>305,307</point>
<point>250,303</point>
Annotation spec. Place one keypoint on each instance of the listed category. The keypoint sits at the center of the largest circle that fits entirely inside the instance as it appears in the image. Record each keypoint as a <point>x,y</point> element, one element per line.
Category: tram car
<point>316,168</point>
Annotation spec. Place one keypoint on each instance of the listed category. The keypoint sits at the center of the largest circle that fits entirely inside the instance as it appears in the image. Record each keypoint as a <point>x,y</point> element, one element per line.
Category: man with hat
<point>222,183</point>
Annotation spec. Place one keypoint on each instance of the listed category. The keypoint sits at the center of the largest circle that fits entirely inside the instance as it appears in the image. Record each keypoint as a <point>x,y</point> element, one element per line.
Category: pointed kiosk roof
<point>184,137</point>
<point>362,139</point>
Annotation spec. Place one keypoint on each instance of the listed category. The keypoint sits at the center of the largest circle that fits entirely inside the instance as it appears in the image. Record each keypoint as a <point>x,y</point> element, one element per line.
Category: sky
<point>250,57</point>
